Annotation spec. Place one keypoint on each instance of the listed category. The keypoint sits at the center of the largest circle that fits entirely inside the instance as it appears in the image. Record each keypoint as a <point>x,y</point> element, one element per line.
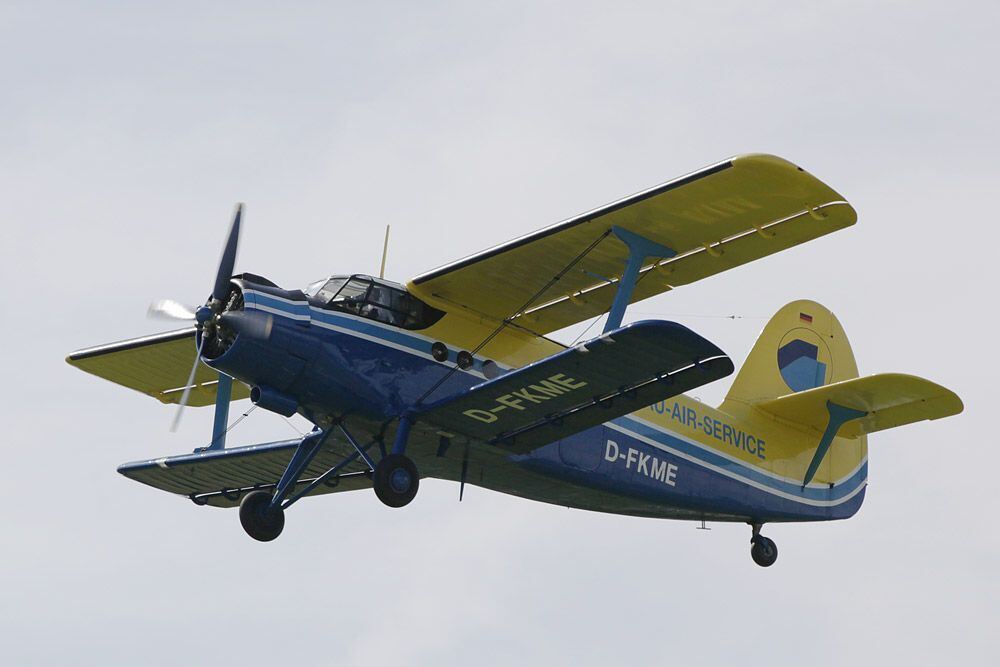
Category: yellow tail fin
<point>802,372</point>
<point>802,347</point>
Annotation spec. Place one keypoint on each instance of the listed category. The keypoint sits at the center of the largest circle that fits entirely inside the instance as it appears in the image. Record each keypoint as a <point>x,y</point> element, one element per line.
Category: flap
<point>889,399</point>
<point>715,219</point>
<point>620,372</point>
<point>156,365</point>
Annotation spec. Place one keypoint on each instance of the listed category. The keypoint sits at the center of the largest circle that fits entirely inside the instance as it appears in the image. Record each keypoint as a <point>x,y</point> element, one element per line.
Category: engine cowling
<point>218,335</point>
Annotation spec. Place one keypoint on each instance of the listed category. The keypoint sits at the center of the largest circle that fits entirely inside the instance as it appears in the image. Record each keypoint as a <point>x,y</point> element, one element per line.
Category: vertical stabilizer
<point>802,347</point>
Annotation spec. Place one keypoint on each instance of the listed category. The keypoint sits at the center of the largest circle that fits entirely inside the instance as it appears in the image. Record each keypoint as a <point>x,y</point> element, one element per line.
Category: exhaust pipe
<point>273,400</point>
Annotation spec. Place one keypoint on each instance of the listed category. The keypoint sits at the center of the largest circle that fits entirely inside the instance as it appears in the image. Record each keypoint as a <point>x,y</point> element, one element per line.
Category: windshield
<point>325,289</point>
<point>351,296</point>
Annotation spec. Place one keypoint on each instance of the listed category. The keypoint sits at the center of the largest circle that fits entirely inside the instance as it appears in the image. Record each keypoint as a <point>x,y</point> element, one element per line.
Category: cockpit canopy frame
<point>373,298</point>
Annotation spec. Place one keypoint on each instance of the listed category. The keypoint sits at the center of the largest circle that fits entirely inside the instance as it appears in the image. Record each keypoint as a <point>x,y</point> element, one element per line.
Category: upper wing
<point>156,365</point>
<point>889,399</point>
<point>715,219</point>
<point>604,378</point>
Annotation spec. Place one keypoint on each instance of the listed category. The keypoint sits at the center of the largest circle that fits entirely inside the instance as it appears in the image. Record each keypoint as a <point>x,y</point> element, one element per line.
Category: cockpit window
<point>352,296</point>
<point>374,299</point>
<point>324,290</point>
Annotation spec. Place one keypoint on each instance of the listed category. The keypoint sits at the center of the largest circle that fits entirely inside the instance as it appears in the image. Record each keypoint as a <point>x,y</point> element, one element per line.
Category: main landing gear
<point>763,550</point>
<point>395,478</point>
<point>261,521</point>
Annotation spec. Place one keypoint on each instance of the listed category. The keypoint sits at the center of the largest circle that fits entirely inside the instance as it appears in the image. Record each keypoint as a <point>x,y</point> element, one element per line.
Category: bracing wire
<point>508,320</point>
<point>589,327</point>
<point>253,406</point>
<point>703,315</point>
<point>292,425</point>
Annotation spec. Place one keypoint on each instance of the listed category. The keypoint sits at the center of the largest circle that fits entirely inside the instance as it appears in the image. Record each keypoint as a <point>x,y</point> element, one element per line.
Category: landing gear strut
<point>262,512</point>
<point>395,477</point>
<point>763,550</point>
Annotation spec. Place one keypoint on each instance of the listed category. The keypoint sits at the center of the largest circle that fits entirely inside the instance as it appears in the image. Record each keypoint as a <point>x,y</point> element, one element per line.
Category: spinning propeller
<point>219,321</point>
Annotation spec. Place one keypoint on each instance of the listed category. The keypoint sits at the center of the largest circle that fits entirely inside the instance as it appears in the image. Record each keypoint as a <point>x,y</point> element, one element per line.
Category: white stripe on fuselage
<point>391,344</point>
<point>731,474</point>
<point>278,311</point>
<point>354,332</point>
<point>733,459</point>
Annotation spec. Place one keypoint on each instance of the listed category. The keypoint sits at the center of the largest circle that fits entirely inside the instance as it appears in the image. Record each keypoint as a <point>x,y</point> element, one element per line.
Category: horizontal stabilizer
<point>220,478</point>
<point>888,399</point>
<point>620,372</point>
<point>156,365</point>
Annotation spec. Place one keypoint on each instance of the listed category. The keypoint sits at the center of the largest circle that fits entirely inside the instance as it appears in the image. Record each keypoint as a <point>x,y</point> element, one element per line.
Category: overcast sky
<point>127,132</point>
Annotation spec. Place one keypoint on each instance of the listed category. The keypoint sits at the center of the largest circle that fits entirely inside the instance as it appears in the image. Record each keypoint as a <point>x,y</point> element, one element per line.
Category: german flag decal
<point>808,319</point>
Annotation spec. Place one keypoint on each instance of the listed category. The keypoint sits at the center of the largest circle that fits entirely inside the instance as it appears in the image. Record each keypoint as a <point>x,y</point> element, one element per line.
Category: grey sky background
<point>127,132</point>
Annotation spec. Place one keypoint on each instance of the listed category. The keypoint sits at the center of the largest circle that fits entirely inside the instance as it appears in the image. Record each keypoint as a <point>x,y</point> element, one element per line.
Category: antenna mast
<point>385,251</point>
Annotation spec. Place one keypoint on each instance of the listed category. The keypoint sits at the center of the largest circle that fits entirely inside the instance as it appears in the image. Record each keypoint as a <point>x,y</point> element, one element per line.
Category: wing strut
<point>223,393</point>
<point>639,248</point>
<point>839,415</point>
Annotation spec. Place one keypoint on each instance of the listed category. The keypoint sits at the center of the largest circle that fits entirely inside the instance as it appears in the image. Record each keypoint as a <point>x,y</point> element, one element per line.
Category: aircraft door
<point>583,450</point>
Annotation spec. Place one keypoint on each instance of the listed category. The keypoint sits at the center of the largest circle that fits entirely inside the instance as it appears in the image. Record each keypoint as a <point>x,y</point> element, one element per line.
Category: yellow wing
<point>715,219</point>
<point>155,365</point>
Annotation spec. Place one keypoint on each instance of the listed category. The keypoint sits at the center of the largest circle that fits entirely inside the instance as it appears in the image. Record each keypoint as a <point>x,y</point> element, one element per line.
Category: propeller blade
<point>252,325</point>
<point>187,389</point>
<point>228,262</point>
<point>169,309</point>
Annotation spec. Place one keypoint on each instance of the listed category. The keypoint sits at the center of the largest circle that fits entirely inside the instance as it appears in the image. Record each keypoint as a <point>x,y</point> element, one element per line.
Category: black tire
<point>396,480</point>
<point>764,551</point>
<point>259,519</point>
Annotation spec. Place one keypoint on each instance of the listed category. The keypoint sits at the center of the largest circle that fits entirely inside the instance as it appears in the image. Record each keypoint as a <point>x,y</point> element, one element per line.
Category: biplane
<point>453,375</point>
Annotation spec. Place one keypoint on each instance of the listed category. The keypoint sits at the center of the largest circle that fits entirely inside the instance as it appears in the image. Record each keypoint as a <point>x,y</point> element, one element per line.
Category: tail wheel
<point>764,551</point>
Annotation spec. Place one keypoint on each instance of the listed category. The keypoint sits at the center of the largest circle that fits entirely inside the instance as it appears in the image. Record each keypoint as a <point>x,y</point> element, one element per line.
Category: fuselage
<point>678,458</point>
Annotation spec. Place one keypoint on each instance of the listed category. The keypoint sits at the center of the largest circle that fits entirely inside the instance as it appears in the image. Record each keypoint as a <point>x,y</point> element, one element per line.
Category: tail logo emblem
<point>800,368</point>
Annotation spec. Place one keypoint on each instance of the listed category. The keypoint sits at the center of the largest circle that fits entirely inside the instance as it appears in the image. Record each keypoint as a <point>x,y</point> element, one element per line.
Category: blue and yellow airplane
<point>452,376</point>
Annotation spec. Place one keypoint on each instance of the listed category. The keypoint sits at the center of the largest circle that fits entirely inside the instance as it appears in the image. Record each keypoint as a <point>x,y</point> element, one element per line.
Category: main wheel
<point>261,521</point>
<point>764,551</point>
<point>396,480</point>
